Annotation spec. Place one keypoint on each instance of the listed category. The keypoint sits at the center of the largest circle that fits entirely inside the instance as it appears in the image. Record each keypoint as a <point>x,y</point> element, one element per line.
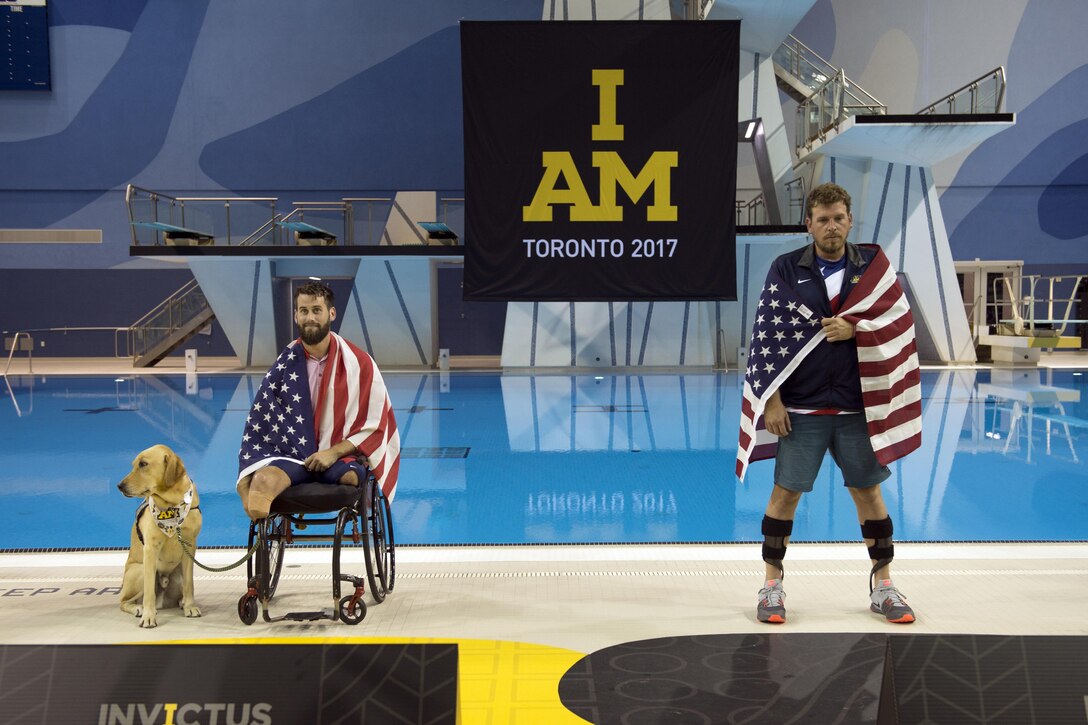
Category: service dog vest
<point>168,519</point>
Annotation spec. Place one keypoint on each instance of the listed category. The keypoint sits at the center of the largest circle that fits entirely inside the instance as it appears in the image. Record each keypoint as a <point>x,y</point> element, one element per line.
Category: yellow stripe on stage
<point>499,682</point>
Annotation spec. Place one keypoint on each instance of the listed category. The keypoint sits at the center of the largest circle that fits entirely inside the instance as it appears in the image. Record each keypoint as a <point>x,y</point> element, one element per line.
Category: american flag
<point>353,404</point>
<point>784,333</point>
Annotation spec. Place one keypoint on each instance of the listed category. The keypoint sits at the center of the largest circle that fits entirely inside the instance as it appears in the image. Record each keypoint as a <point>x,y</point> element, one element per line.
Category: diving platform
<point>307,235</point>
<point>174,235</point>
<point>912,140</point>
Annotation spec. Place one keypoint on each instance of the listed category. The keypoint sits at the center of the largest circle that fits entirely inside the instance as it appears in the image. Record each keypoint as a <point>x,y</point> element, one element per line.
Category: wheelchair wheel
<point>352,610</point>
<point>247,609</point>
<point>274,533</point>
<point>380,549</point>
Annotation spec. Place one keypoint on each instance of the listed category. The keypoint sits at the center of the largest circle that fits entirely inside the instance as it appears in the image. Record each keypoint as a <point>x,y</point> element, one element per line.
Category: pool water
<point>518,458</point>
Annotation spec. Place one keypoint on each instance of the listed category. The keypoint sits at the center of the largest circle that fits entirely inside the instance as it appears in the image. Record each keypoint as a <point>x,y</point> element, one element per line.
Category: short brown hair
<point>314,289</point>
<point>826,194</point>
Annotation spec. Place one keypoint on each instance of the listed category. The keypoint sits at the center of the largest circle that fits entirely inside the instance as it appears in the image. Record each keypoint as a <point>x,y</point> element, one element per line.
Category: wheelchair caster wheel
<point>352,610</point>
<point>247,609</point>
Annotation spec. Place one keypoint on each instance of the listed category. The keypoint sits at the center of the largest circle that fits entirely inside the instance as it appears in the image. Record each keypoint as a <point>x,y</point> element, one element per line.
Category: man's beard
<point>315,334</point>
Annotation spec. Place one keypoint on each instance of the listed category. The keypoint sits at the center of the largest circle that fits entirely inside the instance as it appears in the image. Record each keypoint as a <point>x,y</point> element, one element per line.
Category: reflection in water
<point>516,458</point>
<point>1023,416</point>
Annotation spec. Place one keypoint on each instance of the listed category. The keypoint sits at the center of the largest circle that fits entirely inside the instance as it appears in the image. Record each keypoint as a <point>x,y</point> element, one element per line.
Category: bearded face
<point>314,318</point>
<point>312,332</point>
<point>829,225</point>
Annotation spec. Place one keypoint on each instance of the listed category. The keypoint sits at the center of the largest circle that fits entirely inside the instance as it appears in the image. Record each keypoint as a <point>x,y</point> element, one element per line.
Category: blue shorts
<point>298,473</point>
<point>801,453</point>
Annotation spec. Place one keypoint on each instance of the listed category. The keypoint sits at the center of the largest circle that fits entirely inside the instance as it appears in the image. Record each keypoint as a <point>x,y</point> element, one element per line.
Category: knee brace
<point>882,551</point>
<point>775,532</point>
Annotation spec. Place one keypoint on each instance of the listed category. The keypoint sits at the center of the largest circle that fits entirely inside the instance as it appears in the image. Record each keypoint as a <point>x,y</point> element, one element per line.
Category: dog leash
<point>189,553</point>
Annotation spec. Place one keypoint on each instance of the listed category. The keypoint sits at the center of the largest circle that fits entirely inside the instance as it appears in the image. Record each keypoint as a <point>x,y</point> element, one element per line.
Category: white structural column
<point>896,206</point>
<point>390,312</point>
<point>240,293</point>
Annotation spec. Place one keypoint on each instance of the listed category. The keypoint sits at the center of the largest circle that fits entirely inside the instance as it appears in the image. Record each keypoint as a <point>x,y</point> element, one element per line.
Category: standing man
<point>321,404</point>
<point>833,367</point>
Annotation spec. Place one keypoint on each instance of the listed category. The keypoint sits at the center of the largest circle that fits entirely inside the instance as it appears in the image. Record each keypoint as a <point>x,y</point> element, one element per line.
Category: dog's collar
<point>170,519</point>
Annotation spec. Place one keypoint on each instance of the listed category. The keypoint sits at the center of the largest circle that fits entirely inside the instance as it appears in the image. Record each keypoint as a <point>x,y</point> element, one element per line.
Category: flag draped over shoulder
<point>784,333</point>
<point>353,404</point>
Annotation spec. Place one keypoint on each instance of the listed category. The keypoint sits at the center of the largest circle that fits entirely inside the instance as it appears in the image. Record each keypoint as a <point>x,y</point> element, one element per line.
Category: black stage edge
<point>253,684</point>
<point>371,250</point>
<point>888,679</point>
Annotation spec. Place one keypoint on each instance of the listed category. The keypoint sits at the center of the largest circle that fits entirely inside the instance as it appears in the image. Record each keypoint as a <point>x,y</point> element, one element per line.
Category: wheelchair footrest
<point>309,616</point>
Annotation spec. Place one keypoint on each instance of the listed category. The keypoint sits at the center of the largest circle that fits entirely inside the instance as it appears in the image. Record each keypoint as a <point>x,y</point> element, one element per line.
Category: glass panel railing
<point>802,63</point>
<point>985,94</point>
<point>832,96</point>
<point>828,106</point>
<point>167,318</point>
<point>158,218</point>
<point>813,71</point>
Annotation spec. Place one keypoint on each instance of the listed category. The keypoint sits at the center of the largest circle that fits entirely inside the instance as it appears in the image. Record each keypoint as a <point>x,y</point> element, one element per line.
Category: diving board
<point>309,235</point>
<point>175,235</point>
<point>438,233</point>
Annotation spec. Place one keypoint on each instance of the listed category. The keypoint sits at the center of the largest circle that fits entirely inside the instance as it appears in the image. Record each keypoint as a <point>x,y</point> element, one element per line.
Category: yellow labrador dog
<point>157,572</point>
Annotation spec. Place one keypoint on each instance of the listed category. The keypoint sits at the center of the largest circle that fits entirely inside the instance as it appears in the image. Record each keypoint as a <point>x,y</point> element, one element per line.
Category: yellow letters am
<point>657,172</point>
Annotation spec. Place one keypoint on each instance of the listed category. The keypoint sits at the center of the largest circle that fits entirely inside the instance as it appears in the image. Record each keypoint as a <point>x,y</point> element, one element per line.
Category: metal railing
<point>796,196</point>
<point>832,97</point>
<point>29,348</point>
<point>752,212</point>
<point>270,227</point>
<point>12,343</point>
<point>803,63</point>
<point>830,104</point>
<point>985,94</point>
<point>369,237</point>
<point>1025,304</point>
<point>166,318</point>
<point>217,217</point>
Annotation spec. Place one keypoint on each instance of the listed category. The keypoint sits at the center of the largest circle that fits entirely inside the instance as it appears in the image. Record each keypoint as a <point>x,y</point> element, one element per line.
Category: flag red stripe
<point>340,397</point>
<point>877,368</point>
<point>879,306</point>
<point>883,396</point>
<point>896,418</point>
<point>900,449</point>
<point>890,331</point>
<point>763,452</point>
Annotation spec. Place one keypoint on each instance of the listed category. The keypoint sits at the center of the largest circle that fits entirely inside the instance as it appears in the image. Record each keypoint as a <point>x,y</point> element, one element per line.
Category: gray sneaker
<point>771,607</point>
<point>887,600</point>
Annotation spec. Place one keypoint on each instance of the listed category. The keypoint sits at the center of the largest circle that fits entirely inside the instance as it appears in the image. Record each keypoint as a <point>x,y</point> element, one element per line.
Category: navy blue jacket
<point>829,376</point>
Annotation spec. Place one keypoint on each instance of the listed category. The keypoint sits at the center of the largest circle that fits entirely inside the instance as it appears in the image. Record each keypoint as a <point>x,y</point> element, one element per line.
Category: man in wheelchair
<point>321,416</point>
<point>321,407</point>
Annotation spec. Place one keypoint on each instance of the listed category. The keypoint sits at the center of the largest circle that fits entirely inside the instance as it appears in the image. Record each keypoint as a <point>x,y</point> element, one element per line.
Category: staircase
<point>166,327</point>
<point>824,94</point>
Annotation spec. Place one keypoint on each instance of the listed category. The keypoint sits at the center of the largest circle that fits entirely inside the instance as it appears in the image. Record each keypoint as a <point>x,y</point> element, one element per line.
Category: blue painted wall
<point>340,97</point>
<point>1020,194</point>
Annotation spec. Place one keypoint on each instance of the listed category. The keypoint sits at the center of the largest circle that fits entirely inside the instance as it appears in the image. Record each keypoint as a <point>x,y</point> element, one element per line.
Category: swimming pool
<point>520,458</point>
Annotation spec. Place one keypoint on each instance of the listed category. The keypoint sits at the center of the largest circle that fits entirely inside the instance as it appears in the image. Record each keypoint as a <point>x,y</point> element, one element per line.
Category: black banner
<point>244,684</point>
<point>600,160</point>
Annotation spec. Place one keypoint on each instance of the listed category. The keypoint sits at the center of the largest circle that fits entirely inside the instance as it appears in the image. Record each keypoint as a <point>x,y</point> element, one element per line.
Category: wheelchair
<point>361,518</point>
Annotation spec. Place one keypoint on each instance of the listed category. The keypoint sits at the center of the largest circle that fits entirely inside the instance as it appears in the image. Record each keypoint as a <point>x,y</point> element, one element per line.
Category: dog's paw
<point>148,621</point>
<point>191,611</point>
